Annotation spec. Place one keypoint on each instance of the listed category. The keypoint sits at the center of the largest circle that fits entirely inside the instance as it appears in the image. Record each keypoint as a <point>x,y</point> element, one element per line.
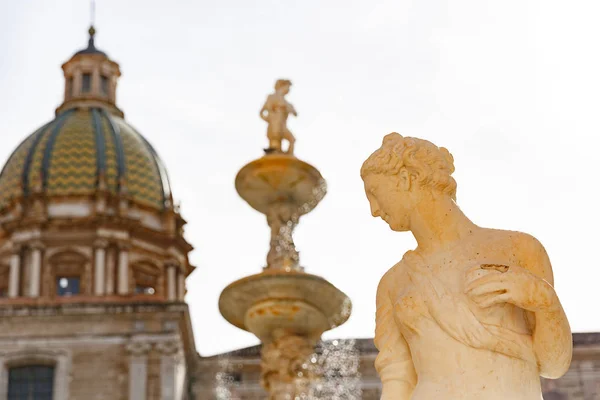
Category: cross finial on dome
<point>92,32</point>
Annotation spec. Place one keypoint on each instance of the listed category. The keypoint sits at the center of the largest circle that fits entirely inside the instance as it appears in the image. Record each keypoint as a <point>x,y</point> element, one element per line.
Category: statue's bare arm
<point>292,110</point>
<point>530,287</point>
<point>394,362</point>
<point>264,111</point>
<point>552,339</point>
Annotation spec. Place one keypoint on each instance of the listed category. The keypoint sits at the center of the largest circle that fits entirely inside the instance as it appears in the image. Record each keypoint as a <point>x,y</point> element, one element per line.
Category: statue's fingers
<point>485,279</point>
<point>485,287</point>
<point>477,272</point>
<point>493,299</point>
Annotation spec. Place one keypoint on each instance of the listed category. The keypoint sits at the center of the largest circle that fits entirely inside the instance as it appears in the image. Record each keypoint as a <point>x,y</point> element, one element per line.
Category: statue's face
<point>390,199</point>
<point>284,89</point>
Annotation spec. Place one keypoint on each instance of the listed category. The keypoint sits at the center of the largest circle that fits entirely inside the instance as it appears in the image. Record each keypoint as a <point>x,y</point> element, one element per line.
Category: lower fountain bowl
<point>296,302</point>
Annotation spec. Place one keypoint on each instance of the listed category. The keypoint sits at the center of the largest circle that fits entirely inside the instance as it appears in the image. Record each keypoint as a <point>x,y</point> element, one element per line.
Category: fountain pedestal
<point>286,308</point>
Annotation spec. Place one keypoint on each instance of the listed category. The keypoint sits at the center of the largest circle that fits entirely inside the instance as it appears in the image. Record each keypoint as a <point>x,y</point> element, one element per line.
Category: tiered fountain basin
<point>280,178</point>
<point>277,301</point>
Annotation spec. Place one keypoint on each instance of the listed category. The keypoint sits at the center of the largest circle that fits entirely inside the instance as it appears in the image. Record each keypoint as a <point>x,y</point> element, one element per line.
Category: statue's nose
<point>375,211</point>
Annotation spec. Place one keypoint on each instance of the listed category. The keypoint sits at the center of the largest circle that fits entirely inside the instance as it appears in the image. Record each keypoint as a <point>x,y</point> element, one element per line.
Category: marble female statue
<point>275,112</point>
<point>471,313</point>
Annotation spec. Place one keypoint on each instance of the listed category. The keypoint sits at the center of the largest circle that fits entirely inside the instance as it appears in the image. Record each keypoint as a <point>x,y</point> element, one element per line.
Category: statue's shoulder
<point>525,248</point>
<point>394,276</point>
<point>520,241</point>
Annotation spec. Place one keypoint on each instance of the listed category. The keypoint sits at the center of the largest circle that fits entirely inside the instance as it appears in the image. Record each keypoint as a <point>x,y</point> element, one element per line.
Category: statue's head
<point>283,85</point>
<point>402,173</point>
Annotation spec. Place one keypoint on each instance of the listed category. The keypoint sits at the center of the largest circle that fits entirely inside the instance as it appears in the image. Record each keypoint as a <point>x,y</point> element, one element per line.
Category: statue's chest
<point>440,282</point>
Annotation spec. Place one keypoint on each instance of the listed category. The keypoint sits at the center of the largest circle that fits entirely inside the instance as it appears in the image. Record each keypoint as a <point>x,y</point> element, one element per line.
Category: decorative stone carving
<point>282,219</point>
<point>138,348</point>
<point>138,369</point>
<point>168,348</point>
<point>286,367</point>
<point>275,112</point>
<point>471,312</point>
<point>170,361</point>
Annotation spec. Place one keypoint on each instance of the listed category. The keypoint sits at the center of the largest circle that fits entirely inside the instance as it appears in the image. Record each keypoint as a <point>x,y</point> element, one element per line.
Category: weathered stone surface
<point>471,313</point>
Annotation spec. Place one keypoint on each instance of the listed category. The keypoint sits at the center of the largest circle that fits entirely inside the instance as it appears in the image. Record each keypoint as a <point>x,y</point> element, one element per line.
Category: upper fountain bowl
<point>277,178</point>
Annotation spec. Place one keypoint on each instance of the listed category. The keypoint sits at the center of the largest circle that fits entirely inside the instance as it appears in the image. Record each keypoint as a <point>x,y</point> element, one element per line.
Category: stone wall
<point>102,351</point>
<point>235,375</point>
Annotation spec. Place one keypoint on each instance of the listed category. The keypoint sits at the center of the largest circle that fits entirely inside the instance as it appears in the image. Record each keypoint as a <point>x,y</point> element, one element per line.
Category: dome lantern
<point>90,79</point>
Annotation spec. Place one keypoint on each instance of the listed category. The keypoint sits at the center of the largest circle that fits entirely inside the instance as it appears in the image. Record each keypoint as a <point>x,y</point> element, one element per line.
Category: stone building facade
<point>93,260</point>
<point>235,375</point>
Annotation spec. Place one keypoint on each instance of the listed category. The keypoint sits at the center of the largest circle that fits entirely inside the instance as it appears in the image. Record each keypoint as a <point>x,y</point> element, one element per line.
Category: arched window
<point>145,277</point>
<point>31,382</point>
<point>86,83</point>
<point>104,85</point>
<point>69,88</point>
<point>68,274</point>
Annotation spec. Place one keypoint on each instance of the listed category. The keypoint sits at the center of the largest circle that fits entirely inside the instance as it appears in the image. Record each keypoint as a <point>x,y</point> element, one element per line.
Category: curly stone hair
<point>282,82</point>
<point>431,165</point>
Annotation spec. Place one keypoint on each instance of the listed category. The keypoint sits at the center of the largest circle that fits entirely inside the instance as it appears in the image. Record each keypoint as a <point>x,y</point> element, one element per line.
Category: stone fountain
<point>285,307</point>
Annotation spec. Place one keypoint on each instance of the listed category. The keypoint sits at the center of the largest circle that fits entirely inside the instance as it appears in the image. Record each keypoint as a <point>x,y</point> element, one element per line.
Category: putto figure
<point>471,313</point>
<point>275,112</point>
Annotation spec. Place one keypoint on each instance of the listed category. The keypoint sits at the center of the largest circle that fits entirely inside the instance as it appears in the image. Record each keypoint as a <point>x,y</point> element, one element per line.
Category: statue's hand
<point>516,285</point>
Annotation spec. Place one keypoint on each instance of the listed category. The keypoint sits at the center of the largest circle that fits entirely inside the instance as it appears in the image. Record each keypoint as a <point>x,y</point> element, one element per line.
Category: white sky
<point>509,87</point>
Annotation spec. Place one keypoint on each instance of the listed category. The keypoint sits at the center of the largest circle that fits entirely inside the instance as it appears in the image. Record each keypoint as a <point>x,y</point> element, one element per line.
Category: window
<point>146,278</point>
<point>104,85</point>
<point>32,382</point>
<point>69,88</point>
<point>67,285</point>
<point>4,278</point>
<point>68,274</point>
<point>86,83</point>
<point>139,289</point>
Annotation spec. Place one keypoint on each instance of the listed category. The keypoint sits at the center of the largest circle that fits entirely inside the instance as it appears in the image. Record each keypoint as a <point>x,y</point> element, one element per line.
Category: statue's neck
<point>438,224</point>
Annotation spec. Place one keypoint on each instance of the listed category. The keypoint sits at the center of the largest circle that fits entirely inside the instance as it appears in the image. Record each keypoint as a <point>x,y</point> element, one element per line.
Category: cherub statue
<point>471,313</point>
<point>275,112</point>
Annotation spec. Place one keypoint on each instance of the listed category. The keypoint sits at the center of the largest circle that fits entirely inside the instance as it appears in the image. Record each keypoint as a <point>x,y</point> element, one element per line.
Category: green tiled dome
<point>68,155</point>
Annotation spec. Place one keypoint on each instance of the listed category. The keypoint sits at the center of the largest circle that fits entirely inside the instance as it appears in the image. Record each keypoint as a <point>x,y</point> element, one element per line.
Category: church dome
<point>85,204</point>
<point>82,151</point>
